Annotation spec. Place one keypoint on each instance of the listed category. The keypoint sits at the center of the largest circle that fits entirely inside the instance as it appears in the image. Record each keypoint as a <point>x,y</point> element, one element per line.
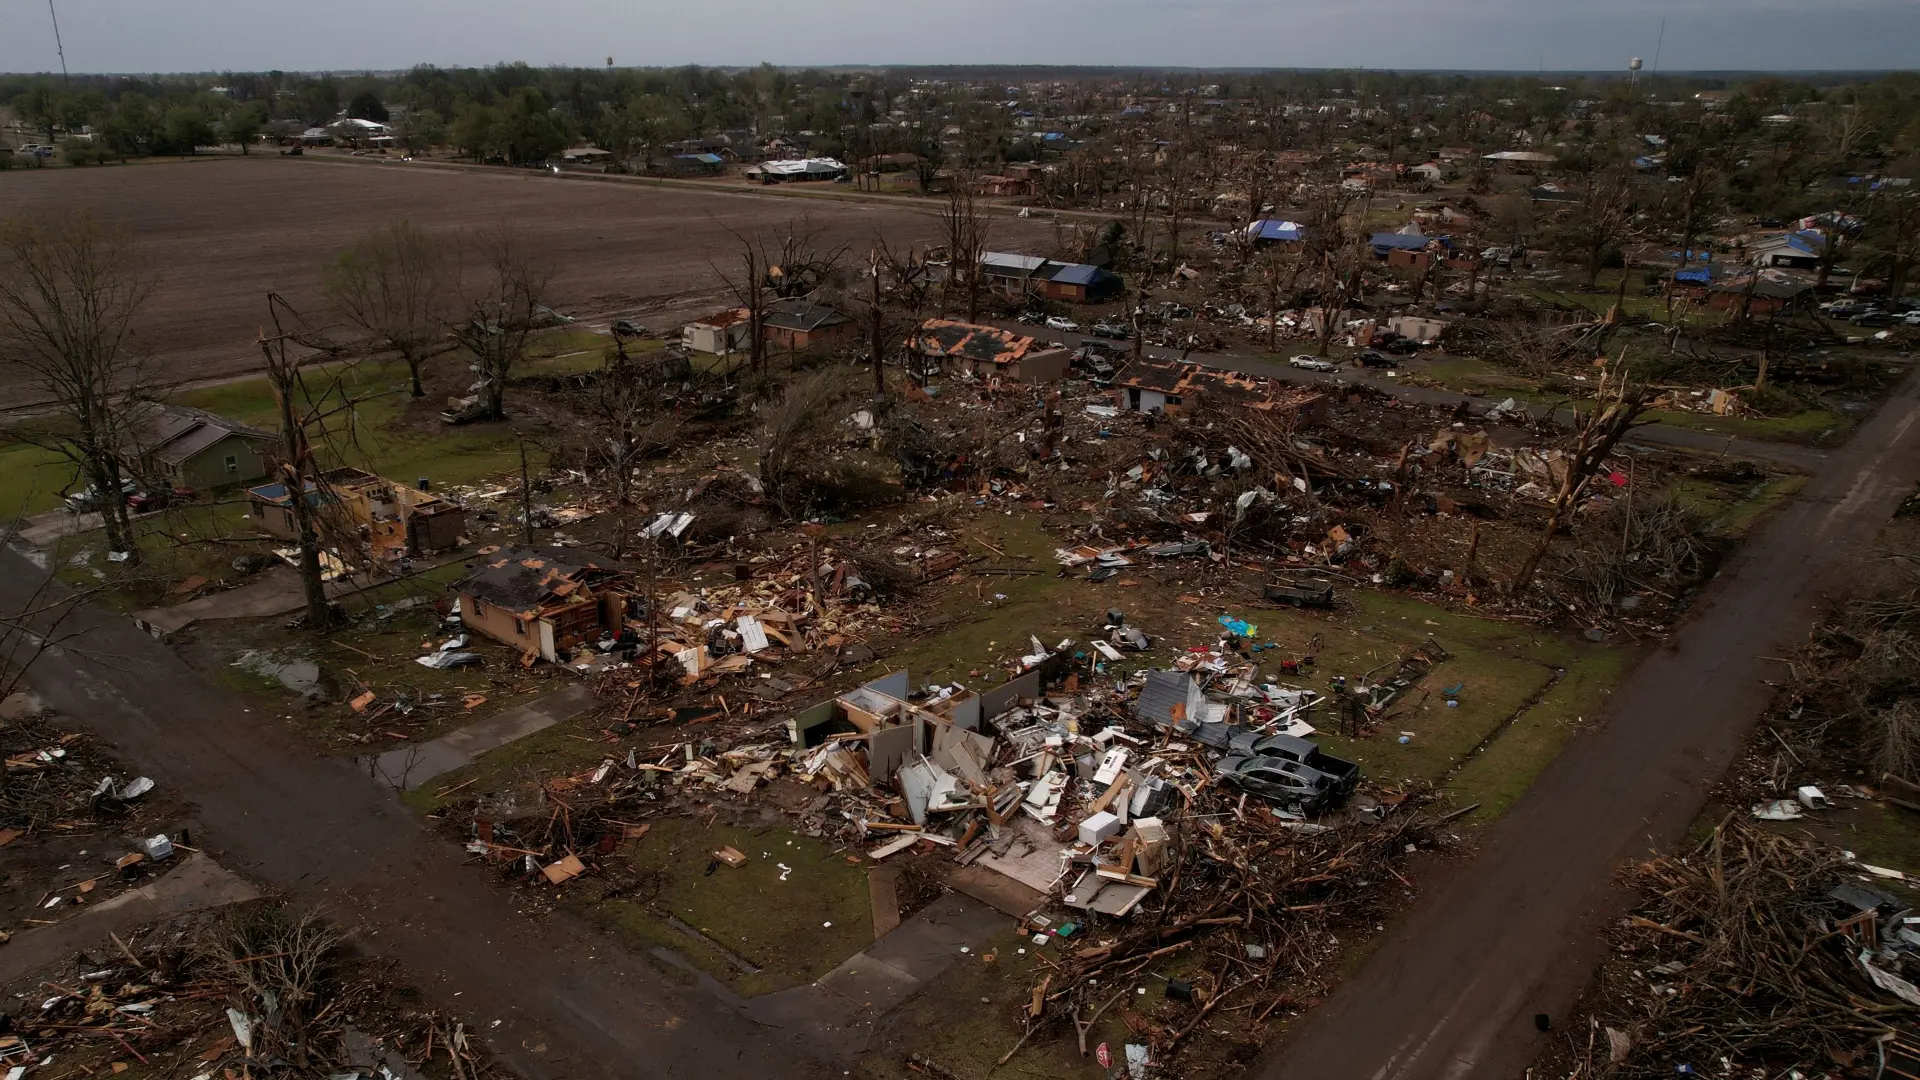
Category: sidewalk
<point>408,767</point>
<point>196,884</point>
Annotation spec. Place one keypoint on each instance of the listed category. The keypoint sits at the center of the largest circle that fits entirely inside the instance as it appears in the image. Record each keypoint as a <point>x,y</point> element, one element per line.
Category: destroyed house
<point>936,753</point>
<point>1171,388</point>
<point>366,518</point>
<point>546,601</point>
<point>987,352</point>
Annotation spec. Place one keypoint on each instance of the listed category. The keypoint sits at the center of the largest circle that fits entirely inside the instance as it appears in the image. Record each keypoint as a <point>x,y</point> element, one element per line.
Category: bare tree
<point>1617,404</point>
<point>625,424</point>
<point>789,263</point>
<point>70,288</point>
<point>391,285</point>
<point>306,410</point>
<point>1597,225</point>
<point>964,228</point>
<point>499,311</point>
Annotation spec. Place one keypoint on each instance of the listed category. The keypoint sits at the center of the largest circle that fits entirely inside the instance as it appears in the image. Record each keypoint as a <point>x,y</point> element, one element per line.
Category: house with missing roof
<point>366,519</point>
<point>986,352</point>
<point>1168,387</point>
<point>545,601</point>
<point>184,447</point>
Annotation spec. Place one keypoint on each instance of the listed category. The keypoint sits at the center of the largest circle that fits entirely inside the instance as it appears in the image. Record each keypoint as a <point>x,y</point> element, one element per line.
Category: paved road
<point>320,828</point>
<point>1453,991</point>
<point>1799,457</point>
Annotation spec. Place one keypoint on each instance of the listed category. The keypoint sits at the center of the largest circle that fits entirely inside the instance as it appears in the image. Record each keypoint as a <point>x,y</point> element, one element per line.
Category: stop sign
<point>1103,1056</point>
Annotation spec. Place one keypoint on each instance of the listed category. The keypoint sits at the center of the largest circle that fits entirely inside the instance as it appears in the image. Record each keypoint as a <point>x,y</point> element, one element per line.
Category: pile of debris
<point>256,991</point>
<point>1757,951</point>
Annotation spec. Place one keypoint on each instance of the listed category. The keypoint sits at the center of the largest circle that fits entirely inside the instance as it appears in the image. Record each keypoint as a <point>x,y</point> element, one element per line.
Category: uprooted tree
<point>70,289</point>
<point>1617,404</point>
<point>391,285</point>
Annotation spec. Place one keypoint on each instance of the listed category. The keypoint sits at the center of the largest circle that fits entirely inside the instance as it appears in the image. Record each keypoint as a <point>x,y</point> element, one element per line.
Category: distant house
<point>1413,249</point>
<point>586,155</point>
<point>704,163</point>
<point>720,333</point>
<point>987,352</point>
<point>1015,275</point>
<point>800,324</point>
<point>1004,186</point>
<point>1758,292</point>
<point>545,601</point>
<point>1793,251</point>
<point>1431,172</point>
<point>185,447</point>
<point>779,172</point>
<point>1079,283</point>
<point>365,518</point>
<point>356,132</point>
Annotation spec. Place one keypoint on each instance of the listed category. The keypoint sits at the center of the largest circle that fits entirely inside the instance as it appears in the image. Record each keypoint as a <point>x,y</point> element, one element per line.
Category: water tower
<point>1633,72</point>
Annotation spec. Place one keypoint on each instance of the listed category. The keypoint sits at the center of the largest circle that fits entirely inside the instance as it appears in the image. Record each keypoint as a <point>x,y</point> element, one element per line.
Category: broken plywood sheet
<point>996,890</point>
<point>888,748</point>
<point>1034,858</point>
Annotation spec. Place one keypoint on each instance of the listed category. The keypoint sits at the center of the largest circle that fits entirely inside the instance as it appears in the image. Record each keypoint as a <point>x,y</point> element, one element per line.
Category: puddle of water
<point>300,676</point>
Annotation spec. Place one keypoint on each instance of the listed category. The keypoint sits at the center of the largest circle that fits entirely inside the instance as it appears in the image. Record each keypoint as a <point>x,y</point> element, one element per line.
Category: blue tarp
<point>1392,241</point>
<point>1696,277</point>
<point>1269,229</point>
<point>704,159</point>
<point>1077,274</point>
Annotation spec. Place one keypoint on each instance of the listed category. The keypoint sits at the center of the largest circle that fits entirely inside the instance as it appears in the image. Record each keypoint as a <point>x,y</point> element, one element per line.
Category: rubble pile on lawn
<point>1756,954</point>
<point>255,991</point>
<point>1251,907</point>
<point>58,780</point>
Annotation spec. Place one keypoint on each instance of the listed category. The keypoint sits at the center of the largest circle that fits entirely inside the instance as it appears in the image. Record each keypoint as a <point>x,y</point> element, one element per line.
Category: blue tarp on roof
<point>1269,229</point>
<point>704,159</point>
<point>1697,277</point>
<point>1392,241</point>
<point>1077,274</point>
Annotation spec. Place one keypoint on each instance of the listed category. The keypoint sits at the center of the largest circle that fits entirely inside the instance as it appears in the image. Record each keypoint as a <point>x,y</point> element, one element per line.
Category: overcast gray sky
<point>202,35</point>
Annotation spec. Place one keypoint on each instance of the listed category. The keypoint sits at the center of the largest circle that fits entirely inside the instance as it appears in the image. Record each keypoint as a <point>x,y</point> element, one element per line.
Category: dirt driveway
<point>1453,992</point>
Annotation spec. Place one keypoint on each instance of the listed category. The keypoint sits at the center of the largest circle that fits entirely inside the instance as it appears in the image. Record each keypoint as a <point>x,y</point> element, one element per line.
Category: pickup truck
<point>1300,593</point>
<point>1346,774</point>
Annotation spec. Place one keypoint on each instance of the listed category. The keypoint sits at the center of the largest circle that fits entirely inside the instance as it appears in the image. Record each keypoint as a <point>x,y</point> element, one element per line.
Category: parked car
<point>1108,329</point>
<point>1913,318</point>
<point>1095,362</point>
<point>142,502</point>
<point>1031,318</point>
<point>89,499</point>
<point>1345,774</point>
<point>628,328</point>
<point>1062,324</point>
<point>1873,317</point>
<point>1401,346</point>
<point>1279,780</point>
<point>1375,358</point>
<point>1312,363</point>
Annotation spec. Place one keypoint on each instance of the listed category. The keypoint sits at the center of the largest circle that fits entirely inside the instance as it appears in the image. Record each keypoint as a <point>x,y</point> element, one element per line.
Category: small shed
<point>1079,283</point>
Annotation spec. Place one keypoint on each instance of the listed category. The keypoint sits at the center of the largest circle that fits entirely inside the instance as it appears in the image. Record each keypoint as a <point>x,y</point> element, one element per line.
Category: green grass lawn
<point>796,909</point>
<point>1816,427</point>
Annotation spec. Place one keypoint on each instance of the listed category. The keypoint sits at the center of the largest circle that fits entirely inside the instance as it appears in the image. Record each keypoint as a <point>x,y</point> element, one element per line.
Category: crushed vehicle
<point>1279,780</point>
<point>1107,328</point>
<point>1300,593</point>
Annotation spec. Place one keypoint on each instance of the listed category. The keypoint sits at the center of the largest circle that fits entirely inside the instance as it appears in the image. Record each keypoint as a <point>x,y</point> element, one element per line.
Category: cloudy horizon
<point>123,36</point>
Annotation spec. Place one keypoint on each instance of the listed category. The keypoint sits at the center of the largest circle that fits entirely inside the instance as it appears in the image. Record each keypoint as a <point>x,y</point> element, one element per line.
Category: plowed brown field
<point>224,232</point>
